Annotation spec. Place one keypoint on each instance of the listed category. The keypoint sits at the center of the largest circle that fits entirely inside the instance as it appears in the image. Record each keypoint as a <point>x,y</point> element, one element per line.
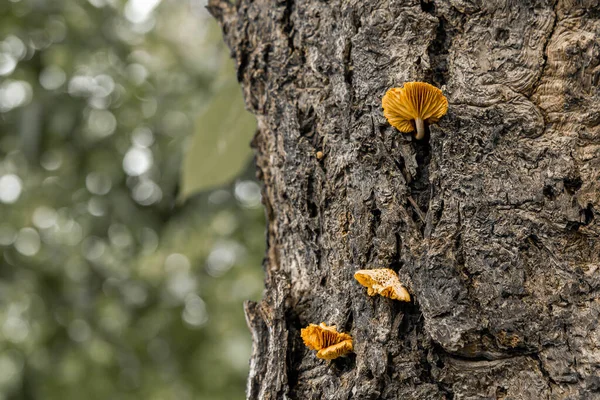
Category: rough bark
<point>490,221</point>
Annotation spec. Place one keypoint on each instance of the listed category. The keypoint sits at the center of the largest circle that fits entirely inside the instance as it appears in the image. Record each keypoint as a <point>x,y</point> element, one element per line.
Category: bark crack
<point>549,380</point>
<point>544,50</point>
<point>438,50</point>
<point>288,24</point>
<point>538,81</point>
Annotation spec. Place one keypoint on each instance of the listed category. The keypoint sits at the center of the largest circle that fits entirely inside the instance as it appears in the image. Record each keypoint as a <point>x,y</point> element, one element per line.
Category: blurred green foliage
<point>108,288</point>
<point>220,147</point>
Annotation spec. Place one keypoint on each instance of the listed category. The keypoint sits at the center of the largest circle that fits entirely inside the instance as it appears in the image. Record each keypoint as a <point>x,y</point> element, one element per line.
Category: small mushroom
<point>382,281</point>
<point>415,101</point>
<point>327,340</point>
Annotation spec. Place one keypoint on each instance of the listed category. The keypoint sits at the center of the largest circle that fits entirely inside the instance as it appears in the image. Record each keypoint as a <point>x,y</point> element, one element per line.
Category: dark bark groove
<point>490,221</point>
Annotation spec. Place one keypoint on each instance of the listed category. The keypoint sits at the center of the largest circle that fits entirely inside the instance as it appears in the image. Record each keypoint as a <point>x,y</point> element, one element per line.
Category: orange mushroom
<point>382,281</point>
<point>327,340</point>
<point>415,101</point>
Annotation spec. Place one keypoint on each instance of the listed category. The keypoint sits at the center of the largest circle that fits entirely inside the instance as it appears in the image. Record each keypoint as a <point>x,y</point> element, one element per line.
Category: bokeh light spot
<point>10,188</point>
<point>101,123</point>
<point>7,64</point>
<point>137,161</point>
<point>96,207</point>
<point>44,217</point>
<point>51,160</point>
<point>28,242</point>
<point>14,94</point>
<point>219,196</point>
<point>138,11</point>
<point>248,194</point>
<point>52,77</point>
<point>79,330</point>
<point>222,257</point>
<point>93,248</point>
<point>14,46</point>
<point>146,192</point>
<point>119,236</point>
<point>98,183</point>
<point>15,328</point>
<point>194,312</point>
<point>142,137</point>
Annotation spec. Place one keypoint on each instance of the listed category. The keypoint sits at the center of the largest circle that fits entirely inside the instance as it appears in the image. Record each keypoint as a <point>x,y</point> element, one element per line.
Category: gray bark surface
<point>491,221</point>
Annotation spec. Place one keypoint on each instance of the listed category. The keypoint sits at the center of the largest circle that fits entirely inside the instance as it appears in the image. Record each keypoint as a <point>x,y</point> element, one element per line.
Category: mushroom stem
<point>420,128</point>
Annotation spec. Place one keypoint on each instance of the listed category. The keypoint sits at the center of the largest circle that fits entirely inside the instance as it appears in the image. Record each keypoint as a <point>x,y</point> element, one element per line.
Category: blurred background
<point>131,228</point>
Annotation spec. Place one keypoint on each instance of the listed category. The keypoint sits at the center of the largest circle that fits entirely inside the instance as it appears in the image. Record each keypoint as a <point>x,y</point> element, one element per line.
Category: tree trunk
<point>489,220</point>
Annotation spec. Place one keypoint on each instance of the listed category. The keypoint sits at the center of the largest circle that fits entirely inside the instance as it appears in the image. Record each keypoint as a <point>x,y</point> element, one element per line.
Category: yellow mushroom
<point>415,101</point>
<point>327,340</point>
<point>382,281</point>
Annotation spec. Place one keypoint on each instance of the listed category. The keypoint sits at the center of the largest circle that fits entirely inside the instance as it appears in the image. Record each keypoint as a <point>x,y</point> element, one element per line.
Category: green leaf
<point>220,147</point>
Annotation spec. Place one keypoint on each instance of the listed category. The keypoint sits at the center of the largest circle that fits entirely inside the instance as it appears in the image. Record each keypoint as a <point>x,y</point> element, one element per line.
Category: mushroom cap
<point>415,100</point>
<point>336,350</point>
<point>327,340</point>
<point>382,281</point>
